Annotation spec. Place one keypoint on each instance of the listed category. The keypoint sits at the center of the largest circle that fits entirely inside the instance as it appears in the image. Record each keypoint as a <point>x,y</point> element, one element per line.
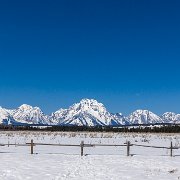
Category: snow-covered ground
<point>50,162</point>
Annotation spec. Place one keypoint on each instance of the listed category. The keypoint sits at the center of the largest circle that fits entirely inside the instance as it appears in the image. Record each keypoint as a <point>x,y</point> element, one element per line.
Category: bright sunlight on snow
<point>99,163</point>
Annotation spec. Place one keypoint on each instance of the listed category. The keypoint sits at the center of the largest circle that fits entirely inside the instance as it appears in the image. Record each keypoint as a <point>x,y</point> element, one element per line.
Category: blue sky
<point>125,54</point>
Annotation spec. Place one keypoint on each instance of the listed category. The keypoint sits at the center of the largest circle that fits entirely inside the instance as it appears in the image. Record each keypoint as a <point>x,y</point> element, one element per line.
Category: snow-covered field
<point>51,162</point>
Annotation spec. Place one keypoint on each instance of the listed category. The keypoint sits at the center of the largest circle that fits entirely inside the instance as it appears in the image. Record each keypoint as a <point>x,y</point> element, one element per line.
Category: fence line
<point>82,145</point>
<point>160,147</point>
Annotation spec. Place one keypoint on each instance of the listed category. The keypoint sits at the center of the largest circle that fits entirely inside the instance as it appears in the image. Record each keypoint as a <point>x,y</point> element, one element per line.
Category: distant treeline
<point>138,129</point>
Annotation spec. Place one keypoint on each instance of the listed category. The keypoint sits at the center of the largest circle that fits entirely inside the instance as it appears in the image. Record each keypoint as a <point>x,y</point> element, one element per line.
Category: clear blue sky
<point>124,53</point>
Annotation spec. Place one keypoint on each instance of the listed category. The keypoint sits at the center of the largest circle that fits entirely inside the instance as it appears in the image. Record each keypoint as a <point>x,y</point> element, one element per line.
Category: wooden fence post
<point>82,146</point>
<point>32,146</point>
<point>171,149</point>
<point>128,148</point>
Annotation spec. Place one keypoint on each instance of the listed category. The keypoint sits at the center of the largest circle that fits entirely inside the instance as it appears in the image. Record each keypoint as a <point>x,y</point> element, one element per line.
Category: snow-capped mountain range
<point>88,112</point>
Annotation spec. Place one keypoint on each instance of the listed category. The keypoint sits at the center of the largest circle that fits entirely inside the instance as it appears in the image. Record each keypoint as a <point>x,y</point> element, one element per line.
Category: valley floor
<point>99,163</point>
<point>100,167</point>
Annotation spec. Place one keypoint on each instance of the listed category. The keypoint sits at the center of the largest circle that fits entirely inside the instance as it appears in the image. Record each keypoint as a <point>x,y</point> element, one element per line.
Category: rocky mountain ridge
<point>88,112</point>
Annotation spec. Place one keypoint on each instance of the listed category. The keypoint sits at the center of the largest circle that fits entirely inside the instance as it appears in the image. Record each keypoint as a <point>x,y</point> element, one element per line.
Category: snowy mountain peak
<point>28,114</point>
<point>144,117</point>
<point>25,107</point>
<point>89,104</point>
<point>88,112</point>
<point>5,115</point>
<point>170,117</point>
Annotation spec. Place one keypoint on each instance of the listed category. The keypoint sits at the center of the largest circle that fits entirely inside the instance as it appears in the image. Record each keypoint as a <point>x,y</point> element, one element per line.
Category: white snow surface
<point>99,163</point>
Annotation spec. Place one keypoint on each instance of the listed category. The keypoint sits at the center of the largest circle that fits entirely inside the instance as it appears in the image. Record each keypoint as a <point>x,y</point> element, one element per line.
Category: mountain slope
<point>144,117</point>
<point>88,112</point>
<point>170,117</point>
<point>6,116</point>
<point>28,114</point>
